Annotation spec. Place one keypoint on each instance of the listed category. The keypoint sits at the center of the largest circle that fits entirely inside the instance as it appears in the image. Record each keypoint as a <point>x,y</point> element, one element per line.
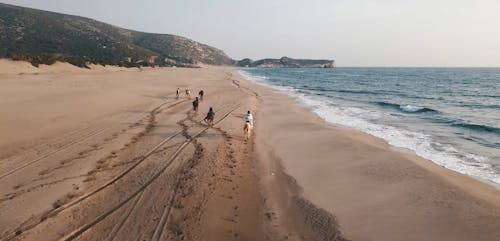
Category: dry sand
<point>112,154</point>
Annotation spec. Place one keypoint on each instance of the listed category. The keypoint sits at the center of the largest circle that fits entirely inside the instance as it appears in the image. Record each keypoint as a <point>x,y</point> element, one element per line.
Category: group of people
<point>209,119</point>
<point>188,93</point>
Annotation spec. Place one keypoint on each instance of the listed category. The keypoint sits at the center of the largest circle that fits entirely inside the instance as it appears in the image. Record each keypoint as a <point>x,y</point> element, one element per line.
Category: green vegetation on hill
<point>42,37</point>
<point>286,62</point>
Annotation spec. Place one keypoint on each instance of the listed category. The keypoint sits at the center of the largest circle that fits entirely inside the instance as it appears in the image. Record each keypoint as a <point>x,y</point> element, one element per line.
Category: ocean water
<point>450,116</point>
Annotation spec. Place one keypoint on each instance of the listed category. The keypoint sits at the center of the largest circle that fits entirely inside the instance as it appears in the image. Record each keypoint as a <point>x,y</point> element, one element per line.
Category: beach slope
<point>376,192</point>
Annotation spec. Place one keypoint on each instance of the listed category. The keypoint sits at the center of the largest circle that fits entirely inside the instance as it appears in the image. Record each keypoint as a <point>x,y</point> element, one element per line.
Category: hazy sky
<point>353,32</point>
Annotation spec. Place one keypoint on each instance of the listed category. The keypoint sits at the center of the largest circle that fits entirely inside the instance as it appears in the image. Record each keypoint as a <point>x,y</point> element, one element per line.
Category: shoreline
<point>298,178</point>
<point>396,137</point>
<point>360,178</point>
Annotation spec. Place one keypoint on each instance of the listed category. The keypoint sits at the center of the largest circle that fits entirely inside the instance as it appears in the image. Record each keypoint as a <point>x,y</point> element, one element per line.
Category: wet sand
<point>375,191</point>
<point>112,154</point>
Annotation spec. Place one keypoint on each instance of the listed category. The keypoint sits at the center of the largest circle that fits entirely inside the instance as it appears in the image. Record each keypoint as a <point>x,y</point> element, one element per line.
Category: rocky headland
<point>286,62</point>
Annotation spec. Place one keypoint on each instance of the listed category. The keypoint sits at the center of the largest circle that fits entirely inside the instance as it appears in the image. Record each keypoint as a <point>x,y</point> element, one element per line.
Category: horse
<point>195,104</point>
<point>209,119</point>
<point>247,130</point>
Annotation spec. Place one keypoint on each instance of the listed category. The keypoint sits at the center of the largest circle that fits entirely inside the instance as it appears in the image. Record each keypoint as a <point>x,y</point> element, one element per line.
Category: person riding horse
<point>249,118</point>
<point>201,93</point>
<point>248,126</point>
<point>195,104</point>
<point>209,119</point>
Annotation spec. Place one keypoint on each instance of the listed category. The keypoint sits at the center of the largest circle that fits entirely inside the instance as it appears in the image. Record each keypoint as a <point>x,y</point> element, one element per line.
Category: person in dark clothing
<point>209,119</point>
<point>201,93</point>
<point>195,104</point>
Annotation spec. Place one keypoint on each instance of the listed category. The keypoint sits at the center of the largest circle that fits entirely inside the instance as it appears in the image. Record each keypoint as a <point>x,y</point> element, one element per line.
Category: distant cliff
<point>43,37</point>
<point>286,62</point>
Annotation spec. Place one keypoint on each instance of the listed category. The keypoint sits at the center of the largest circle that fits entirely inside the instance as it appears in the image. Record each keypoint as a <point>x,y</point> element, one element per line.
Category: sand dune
<point>16,67</point>
<point>9,67</point>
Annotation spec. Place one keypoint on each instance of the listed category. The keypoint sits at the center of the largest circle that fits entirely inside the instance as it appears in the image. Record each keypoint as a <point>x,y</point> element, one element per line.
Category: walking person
<point>177,93</point>
<point>188,93</point>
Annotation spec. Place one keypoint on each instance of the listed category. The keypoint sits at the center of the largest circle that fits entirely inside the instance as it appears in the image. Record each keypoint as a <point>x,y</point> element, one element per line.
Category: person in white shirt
<point>249,118</point>
<point>248,126</point>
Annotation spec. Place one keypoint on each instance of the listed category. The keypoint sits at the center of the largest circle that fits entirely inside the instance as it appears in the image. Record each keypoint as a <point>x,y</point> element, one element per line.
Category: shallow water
<point>450,116</point>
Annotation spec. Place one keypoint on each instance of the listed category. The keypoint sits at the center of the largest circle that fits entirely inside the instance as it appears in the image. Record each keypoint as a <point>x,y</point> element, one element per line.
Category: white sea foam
<point>255,78</point>
<point>419,143</point>
<point>411,108</point>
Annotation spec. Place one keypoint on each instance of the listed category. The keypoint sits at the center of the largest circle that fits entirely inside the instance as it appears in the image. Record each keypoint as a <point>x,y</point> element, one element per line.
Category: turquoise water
<point>450,116</point>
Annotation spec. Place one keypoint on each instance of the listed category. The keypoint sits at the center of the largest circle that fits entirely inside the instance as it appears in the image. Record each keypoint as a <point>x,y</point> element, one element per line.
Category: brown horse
<point>209,119</point>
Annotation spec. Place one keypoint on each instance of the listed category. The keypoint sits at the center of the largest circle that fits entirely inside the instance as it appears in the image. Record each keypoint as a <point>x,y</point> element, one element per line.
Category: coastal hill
<point>286,62</point>
<point>43,37</point>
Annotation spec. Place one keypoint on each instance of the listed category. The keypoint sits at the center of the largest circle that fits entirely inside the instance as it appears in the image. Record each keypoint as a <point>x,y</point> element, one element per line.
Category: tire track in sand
<point>78,232</point>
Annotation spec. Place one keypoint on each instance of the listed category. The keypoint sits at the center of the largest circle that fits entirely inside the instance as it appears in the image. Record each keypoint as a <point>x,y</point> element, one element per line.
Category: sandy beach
<point>110,153</point>
<point>376,192</point>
